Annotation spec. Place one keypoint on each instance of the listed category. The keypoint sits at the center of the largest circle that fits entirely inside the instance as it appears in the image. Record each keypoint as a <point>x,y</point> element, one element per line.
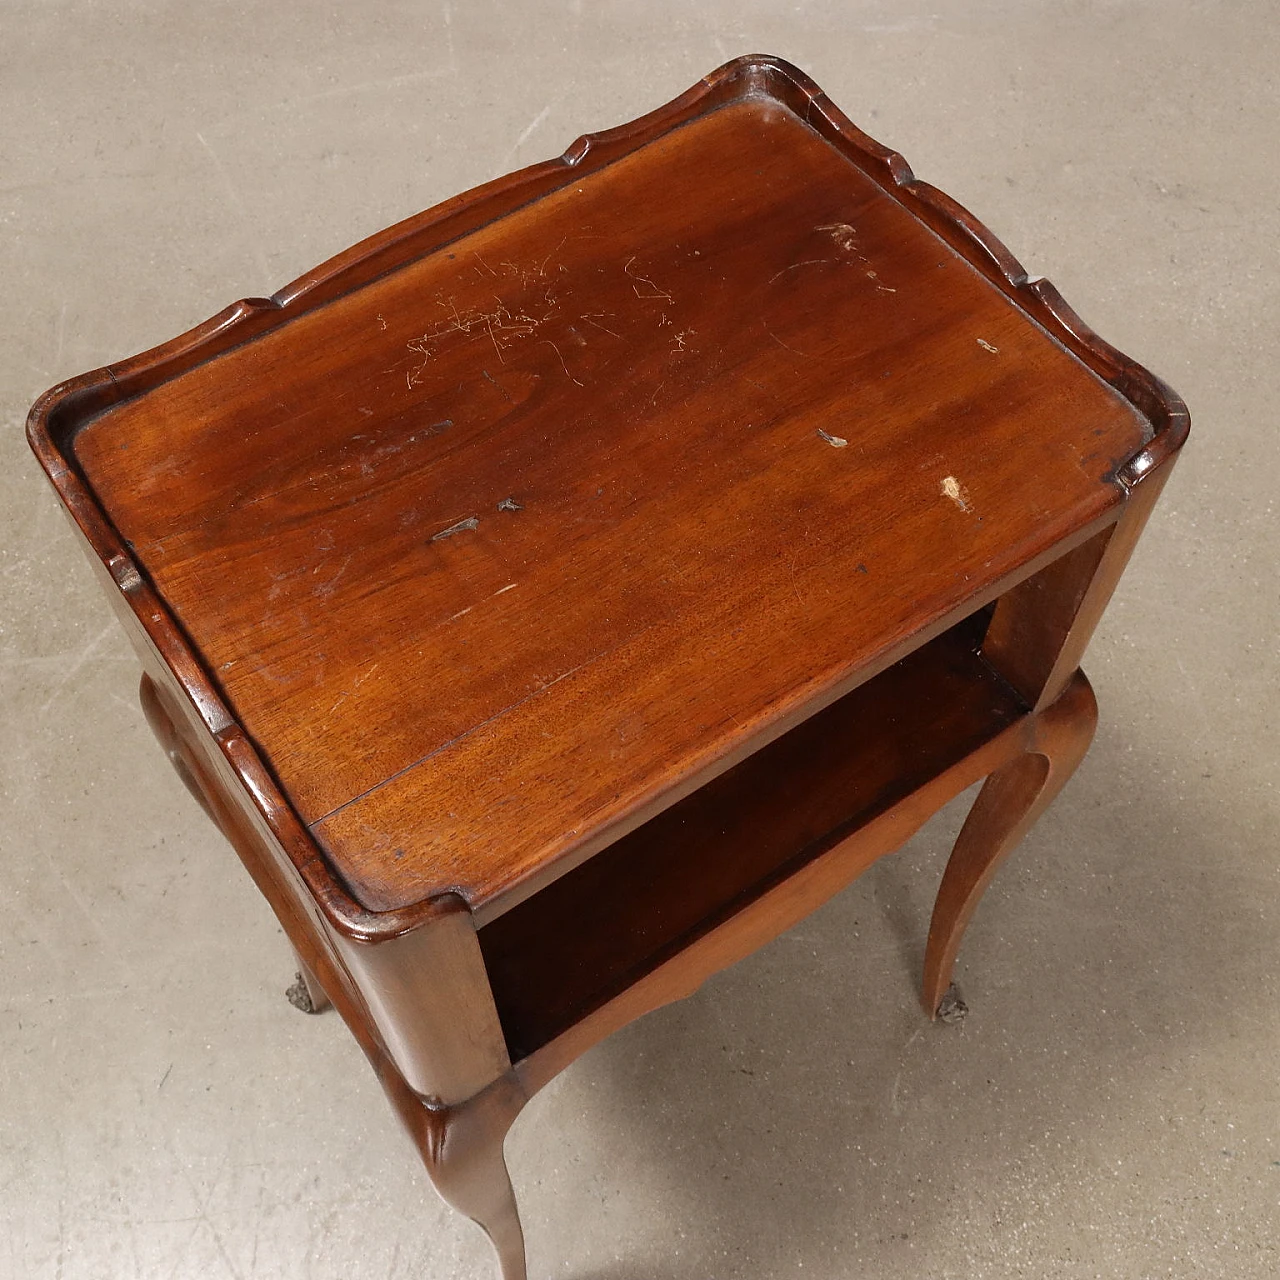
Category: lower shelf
<point>561,954</point>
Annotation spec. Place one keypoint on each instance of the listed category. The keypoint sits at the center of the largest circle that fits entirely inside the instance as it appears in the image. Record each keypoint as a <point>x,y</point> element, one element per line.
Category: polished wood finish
<point>581,942</point>
<point>558,595</point>
<point>1011,799</point>
<point>584,361</point>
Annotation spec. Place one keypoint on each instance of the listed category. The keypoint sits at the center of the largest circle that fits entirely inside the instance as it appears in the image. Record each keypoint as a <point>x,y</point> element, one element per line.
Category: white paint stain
<point>953,489</point>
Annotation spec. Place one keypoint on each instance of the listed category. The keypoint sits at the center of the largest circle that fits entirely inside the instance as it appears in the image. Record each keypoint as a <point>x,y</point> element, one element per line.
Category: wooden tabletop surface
<point>516,543</point>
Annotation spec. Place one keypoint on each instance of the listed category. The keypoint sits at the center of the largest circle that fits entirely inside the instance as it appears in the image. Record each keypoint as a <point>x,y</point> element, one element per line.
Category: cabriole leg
<point>462,1149</point>
<point>306,993</point>
<point>1009,803</point>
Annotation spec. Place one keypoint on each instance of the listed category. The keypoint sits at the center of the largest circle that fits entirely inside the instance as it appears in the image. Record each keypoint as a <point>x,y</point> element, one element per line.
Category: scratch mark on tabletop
<point>564,366</point>
<point>486,374</point>
<point>953,489</point>
<point>510,504</point>
<point>795,586</point>
<point>484,264</point>
<point>808,262</point>
<point>329,587</point>
<point>542,266</point>
<point>986,346</point>
<point>501,325</point>
<point>463,526</point>
<point>511,586</point>
<point>355,684</point>
<point>844,236</point>
<point>488,324</point>
<point>804,355</point>
<point>564,676</point>
<point>836,442</point>
<point>638,279</point>
<point>591,318</point>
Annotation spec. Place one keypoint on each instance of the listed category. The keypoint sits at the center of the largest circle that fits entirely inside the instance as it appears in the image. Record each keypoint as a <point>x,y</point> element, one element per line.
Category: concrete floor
<point>1111,1107</point>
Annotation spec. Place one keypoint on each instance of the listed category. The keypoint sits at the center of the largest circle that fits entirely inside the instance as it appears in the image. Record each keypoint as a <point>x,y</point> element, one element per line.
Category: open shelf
<point>564,952</point>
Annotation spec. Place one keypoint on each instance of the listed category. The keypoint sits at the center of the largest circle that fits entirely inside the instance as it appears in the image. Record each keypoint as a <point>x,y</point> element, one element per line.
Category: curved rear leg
<point>306,993</point>
<point>1010,801</point>
<point>166,734</point>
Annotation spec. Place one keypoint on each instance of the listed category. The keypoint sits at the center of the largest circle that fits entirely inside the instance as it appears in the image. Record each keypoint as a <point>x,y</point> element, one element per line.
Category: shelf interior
<point>584,939</point>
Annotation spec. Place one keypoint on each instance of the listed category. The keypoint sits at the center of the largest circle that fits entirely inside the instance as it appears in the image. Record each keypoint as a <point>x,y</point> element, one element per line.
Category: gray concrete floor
<point>1111,1106</point>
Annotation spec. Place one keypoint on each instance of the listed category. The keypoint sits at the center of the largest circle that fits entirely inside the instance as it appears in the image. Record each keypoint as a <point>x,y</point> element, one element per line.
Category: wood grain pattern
<point>673,487</point>
<point>320,770</point>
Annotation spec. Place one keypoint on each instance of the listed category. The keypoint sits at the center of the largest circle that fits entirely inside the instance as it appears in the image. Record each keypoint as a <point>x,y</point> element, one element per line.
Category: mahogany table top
<point>511,526</point>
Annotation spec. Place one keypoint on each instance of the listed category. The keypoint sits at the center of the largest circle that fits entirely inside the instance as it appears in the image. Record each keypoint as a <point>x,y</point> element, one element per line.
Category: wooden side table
<point>561,593</point>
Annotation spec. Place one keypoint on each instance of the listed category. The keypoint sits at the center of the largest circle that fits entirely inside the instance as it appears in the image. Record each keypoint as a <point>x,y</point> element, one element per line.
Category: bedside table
<point>558,595</point>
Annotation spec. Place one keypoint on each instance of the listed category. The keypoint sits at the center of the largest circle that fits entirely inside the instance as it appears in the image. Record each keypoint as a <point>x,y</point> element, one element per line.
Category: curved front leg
<point>461,1147</point>
<point>1009,803</point>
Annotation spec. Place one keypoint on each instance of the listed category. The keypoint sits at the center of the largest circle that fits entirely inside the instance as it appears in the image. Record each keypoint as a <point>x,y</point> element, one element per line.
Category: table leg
<point>461,1147</point>
<point>167,735</point>
<point>306,993</point>
<point>1009,803</point>
<point>457,1048</point>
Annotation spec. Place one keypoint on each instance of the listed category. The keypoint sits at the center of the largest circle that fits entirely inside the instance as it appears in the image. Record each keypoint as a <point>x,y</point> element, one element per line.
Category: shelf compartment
<point>560,955</point>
